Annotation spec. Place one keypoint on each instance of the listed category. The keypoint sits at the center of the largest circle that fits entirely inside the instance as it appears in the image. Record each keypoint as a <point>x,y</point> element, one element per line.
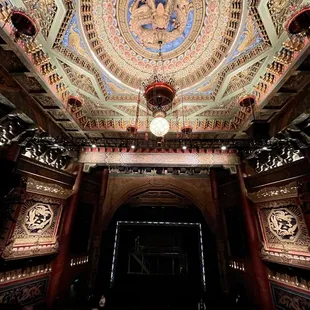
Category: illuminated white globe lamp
<point>159,125</point>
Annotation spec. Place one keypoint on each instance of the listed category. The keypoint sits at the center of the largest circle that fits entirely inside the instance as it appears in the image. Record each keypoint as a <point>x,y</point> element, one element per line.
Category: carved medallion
<point>38,218</point>
<point>283,224</point>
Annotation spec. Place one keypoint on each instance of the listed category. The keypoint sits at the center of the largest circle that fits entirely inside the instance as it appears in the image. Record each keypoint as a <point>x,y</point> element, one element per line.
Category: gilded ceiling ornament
<point>279,11</point>
<point>44,11</point>
<point>151,21</point>
<point>192,31</point>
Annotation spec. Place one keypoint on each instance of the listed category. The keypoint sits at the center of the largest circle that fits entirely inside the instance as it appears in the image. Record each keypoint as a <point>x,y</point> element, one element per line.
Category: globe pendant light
<point>159,125</point>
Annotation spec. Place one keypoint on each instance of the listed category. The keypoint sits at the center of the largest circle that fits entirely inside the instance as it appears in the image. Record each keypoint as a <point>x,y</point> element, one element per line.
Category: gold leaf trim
<point>47,189</point>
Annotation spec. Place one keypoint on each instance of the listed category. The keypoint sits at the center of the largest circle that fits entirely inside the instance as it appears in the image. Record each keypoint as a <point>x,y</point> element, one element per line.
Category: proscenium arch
<point>197,190</point>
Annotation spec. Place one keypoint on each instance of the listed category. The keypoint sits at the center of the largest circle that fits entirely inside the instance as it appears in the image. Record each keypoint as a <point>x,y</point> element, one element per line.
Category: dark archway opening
<point>160,285</point>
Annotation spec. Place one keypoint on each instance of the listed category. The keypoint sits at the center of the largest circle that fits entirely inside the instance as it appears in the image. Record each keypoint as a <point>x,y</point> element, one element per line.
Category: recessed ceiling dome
<point>196,36</point>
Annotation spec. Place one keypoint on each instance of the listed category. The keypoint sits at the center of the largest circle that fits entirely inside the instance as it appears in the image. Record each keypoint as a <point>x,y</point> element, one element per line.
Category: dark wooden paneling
<point>27,166</point>
<point>286,173</point>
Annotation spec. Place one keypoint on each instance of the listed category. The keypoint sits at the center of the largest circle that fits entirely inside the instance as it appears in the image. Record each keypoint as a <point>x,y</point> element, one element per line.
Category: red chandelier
<point>24,24</point>
<point>299,23</point>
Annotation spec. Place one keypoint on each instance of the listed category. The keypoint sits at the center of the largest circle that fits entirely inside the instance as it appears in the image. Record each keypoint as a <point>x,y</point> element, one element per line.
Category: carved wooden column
<point>97,231</point>
<point>221,239</point>
<point>259,272</point>
<point>62,260</point>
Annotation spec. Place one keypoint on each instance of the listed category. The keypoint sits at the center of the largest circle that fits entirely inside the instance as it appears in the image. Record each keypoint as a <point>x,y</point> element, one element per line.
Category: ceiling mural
<point>125,40</point>
<point>72,39</point>
<point>249,38</point>
<point>102,50</point>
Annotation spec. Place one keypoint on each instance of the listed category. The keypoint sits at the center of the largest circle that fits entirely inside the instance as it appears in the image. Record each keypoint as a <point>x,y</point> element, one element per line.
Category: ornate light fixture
<point>186,129</point>
<point>23,23</point>
<point>299,23</point>
<point>132,128</point>
<point>159,93</point>
<point>75,101</point>
<point>247,101</point>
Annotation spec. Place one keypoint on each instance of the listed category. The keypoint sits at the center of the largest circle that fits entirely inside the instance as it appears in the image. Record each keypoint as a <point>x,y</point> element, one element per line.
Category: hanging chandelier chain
<point>183,113</point>
<point>138,109</point>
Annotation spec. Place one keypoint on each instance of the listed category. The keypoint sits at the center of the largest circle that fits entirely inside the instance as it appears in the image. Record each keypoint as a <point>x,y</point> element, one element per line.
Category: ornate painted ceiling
<point>101,50</point>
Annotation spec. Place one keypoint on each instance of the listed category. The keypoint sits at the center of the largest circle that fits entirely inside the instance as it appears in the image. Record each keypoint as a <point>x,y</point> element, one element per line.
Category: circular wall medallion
<point>38,218</point>
<point>194,35</point>
<point>283,224</point>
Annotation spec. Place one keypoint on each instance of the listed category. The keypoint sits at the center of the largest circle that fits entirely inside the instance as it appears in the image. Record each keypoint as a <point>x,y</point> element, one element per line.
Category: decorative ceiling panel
<point>44,12</point>
<point>124,35</point>
<point>78,79</point>
<point>58,115</point>
<point>277,102</point>
<point>11,62</point>
<point>30,83</point>
<point>279,10</point>
<point>215,50</point>
<point>295,83</point>
<point>264,115</point>
<point>77,135</point>
<point>131,110</point>
<point>243,78</point>
<point>45,101</point>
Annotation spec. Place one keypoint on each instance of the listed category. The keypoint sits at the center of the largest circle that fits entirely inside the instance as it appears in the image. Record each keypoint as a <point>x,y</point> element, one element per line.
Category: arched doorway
<point>172,280</point>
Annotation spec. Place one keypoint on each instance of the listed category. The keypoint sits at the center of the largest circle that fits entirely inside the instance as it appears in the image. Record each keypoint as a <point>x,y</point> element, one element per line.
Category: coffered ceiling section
<point>101,51</point>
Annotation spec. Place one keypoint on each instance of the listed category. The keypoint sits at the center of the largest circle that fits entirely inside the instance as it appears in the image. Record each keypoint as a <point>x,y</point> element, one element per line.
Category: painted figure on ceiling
<point>159,20</point>
<point>249,36</point>
<point>74,40</point>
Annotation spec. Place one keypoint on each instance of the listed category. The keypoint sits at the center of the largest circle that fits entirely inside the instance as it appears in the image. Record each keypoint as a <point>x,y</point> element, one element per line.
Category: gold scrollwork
<point>48,189</point>
<point>274,193</point>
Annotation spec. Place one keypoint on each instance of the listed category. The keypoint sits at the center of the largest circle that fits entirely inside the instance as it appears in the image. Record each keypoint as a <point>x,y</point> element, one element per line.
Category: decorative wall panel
<point>24,273</point>
<point>24,292</point>
<point>296,282</point>
<point>285,233</point>
<point>35,232</point>
<point>286,298</point>
<point>160,159</point>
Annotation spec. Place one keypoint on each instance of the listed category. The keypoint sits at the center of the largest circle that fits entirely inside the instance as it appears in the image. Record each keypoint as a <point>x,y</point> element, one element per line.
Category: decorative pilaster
<point>221,235</point>
<point>259,271</point>
<point>97,231</point>
<point>62,259</point>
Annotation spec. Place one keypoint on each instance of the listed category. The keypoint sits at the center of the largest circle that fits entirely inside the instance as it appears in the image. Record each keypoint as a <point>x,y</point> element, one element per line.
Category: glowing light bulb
<point>159,126</point>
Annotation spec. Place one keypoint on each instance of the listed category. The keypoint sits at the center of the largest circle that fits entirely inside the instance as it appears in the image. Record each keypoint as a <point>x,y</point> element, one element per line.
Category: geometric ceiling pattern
<point>101,50</point>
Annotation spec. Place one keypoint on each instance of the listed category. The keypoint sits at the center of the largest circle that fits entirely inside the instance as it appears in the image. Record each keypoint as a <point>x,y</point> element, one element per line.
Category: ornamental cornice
<point>159,159</point>
<point>47,189</point>
<point>274,193</point>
